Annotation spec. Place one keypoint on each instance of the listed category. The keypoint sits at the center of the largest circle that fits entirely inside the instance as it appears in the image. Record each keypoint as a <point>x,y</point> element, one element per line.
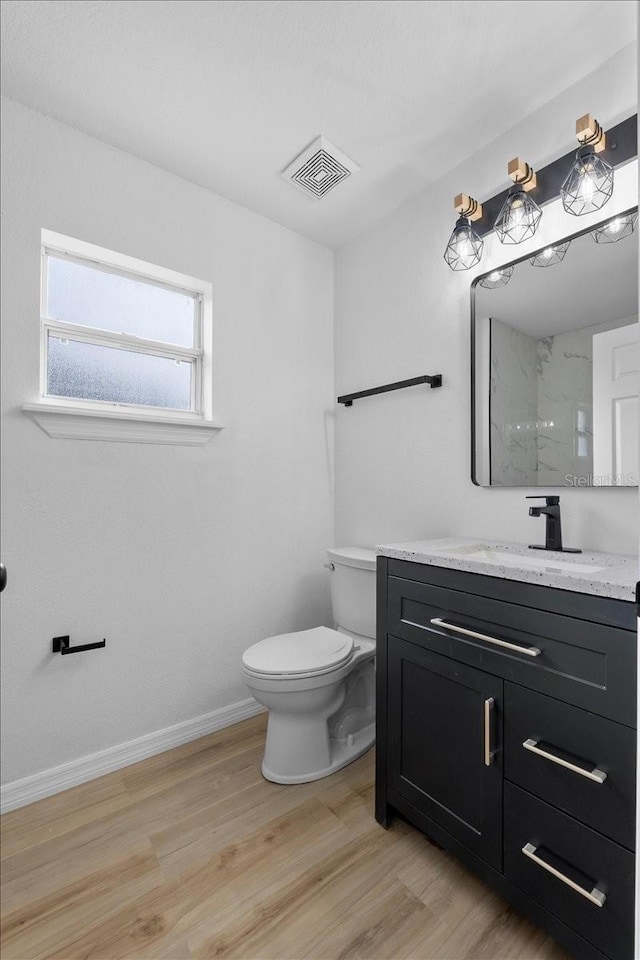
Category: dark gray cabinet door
<point>445,744</point>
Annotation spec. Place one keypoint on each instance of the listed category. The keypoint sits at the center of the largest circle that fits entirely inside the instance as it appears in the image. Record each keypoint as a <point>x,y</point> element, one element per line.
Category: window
<point>583,433</point>
<point>122,338</point>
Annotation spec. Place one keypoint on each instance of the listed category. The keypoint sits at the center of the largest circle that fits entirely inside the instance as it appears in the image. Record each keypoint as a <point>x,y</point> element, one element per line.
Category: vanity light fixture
<point>520,215</point>
<point>550,255</point>
<point>464,249</point>
<point>497,278</point>
<point>616,229</point>
<point>590,182</point>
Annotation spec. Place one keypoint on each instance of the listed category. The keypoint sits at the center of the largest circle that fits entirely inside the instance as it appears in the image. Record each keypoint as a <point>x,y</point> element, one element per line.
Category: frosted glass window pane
<point>88,371</point>
<point>78,293</point>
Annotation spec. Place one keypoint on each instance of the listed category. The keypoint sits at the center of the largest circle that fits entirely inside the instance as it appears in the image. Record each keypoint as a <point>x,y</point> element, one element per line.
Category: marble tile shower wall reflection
<point>513,406</point>
<point>541,404</point>
<point>565,416</point>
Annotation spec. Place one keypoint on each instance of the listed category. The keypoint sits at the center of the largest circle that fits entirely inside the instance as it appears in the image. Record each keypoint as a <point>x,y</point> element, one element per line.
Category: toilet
<point>319,685</point>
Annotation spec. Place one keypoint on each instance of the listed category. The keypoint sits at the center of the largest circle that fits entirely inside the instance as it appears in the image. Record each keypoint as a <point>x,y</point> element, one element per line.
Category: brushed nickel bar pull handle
<point>599,776</point>
<point>488,710</point>
<point>528,651</point>
<point>595,896</point>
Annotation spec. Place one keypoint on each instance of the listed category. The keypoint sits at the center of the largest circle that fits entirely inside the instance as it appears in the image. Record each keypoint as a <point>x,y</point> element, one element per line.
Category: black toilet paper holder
<point>61,645</point>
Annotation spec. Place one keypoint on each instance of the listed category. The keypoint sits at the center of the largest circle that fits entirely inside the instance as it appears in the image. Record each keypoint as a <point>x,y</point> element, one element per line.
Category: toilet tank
<point>353,589</point>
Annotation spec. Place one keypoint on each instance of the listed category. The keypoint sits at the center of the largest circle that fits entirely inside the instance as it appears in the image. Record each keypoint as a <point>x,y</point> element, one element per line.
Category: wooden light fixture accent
<point>590,133</point>
<point>520,172</point>
<point>467,207</point>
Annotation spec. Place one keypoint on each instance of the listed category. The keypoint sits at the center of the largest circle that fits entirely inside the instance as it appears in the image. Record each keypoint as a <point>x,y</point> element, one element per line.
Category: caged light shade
<point>464,249</point>
<point>519,218</point>
<point>497,278</point>
<point>550,255</point>
<point>616,229</point>
<point>589,184</point>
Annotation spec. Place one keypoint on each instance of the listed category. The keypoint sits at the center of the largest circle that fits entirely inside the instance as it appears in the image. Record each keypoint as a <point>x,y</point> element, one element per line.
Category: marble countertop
<point>600,574</point>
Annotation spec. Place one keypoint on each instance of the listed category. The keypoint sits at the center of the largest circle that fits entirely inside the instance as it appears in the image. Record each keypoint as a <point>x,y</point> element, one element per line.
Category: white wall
<point>403,459</point>
<point>181,557</point>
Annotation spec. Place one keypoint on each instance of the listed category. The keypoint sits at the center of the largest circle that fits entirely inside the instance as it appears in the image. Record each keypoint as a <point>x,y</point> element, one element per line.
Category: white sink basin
<point>542,561</point>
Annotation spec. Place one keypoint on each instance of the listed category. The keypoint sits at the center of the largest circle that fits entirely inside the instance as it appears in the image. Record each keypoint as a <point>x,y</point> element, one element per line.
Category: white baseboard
<point>44,784</point>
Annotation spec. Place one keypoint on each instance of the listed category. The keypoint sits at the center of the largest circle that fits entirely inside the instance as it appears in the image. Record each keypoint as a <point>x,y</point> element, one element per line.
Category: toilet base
<point>342,753</point>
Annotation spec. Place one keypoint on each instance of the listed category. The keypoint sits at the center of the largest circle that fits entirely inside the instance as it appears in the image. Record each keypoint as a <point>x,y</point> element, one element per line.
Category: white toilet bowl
<point>319,688</point>
<point>321,715</point>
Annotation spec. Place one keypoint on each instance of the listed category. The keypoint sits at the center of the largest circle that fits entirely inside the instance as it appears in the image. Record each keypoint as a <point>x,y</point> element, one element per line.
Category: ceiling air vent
<point>319,168</point>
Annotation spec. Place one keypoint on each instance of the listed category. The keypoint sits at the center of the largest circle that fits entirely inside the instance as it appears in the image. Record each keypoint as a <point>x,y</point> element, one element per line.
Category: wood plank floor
<point>191,854</point>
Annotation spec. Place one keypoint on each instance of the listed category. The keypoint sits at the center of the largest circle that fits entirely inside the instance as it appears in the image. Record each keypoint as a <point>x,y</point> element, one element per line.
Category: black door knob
<point>3,577</point>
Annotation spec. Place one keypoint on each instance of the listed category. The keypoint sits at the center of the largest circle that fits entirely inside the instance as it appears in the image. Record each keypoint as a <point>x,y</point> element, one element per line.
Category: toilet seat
<point>306,653</point>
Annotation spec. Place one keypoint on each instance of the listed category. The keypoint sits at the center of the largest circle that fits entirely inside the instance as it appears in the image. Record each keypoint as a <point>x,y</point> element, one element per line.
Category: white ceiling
<point>226,92</point>
<point>595,282</point>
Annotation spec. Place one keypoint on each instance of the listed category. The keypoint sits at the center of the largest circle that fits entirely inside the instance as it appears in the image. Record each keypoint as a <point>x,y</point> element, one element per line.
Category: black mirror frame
<point>476,281</point>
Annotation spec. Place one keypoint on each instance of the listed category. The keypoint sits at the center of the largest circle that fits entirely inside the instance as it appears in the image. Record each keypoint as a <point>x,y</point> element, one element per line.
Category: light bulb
<point>586,187</point>
<point>465,247</point>
<point>517,212</point>
<point>615,226</point>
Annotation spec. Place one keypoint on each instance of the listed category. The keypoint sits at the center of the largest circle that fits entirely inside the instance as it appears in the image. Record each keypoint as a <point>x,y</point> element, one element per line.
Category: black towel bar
<point>348,398</point>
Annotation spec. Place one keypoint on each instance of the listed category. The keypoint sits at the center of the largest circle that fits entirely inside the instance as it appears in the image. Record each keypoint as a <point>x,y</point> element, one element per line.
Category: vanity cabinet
<point>506,732</point>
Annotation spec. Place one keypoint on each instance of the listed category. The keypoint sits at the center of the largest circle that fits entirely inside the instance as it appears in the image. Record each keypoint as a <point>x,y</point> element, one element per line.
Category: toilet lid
<point>307,651</point>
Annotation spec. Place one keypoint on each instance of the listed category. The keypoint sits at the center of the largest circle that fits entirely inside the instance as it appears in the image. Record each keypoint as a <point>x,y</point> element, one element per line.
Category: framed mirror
<point>555,364</point>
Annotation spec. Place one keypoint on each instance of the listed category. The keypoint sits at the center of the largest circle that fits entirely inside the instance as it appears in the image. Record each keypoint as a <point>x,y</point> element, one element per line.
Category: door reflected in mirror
<point>555,360</point>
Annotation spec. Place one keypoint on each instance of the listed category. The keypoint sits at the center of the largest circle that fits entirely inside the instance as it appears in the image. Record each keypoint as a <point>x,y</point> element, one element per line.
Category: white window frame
<point>95,412</point>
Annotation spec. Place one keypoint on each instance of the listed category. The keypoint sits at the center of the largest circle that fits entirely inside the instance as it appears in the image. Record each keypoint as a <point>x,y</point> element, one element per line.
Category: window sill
<point>75,423</point>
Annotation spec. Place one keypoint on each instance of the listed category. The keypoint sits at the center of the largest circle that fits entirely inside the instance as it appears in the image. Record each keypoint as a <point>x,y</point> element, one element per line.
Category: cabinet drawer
<point>586,664</point>
<point>598,786</point>
<point>553,858</point>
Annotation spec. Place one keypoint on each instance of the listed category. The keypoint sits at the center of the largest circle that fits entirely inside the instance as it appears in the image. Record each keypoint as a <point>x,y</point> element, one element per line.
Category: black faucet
<point>553,534</point>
